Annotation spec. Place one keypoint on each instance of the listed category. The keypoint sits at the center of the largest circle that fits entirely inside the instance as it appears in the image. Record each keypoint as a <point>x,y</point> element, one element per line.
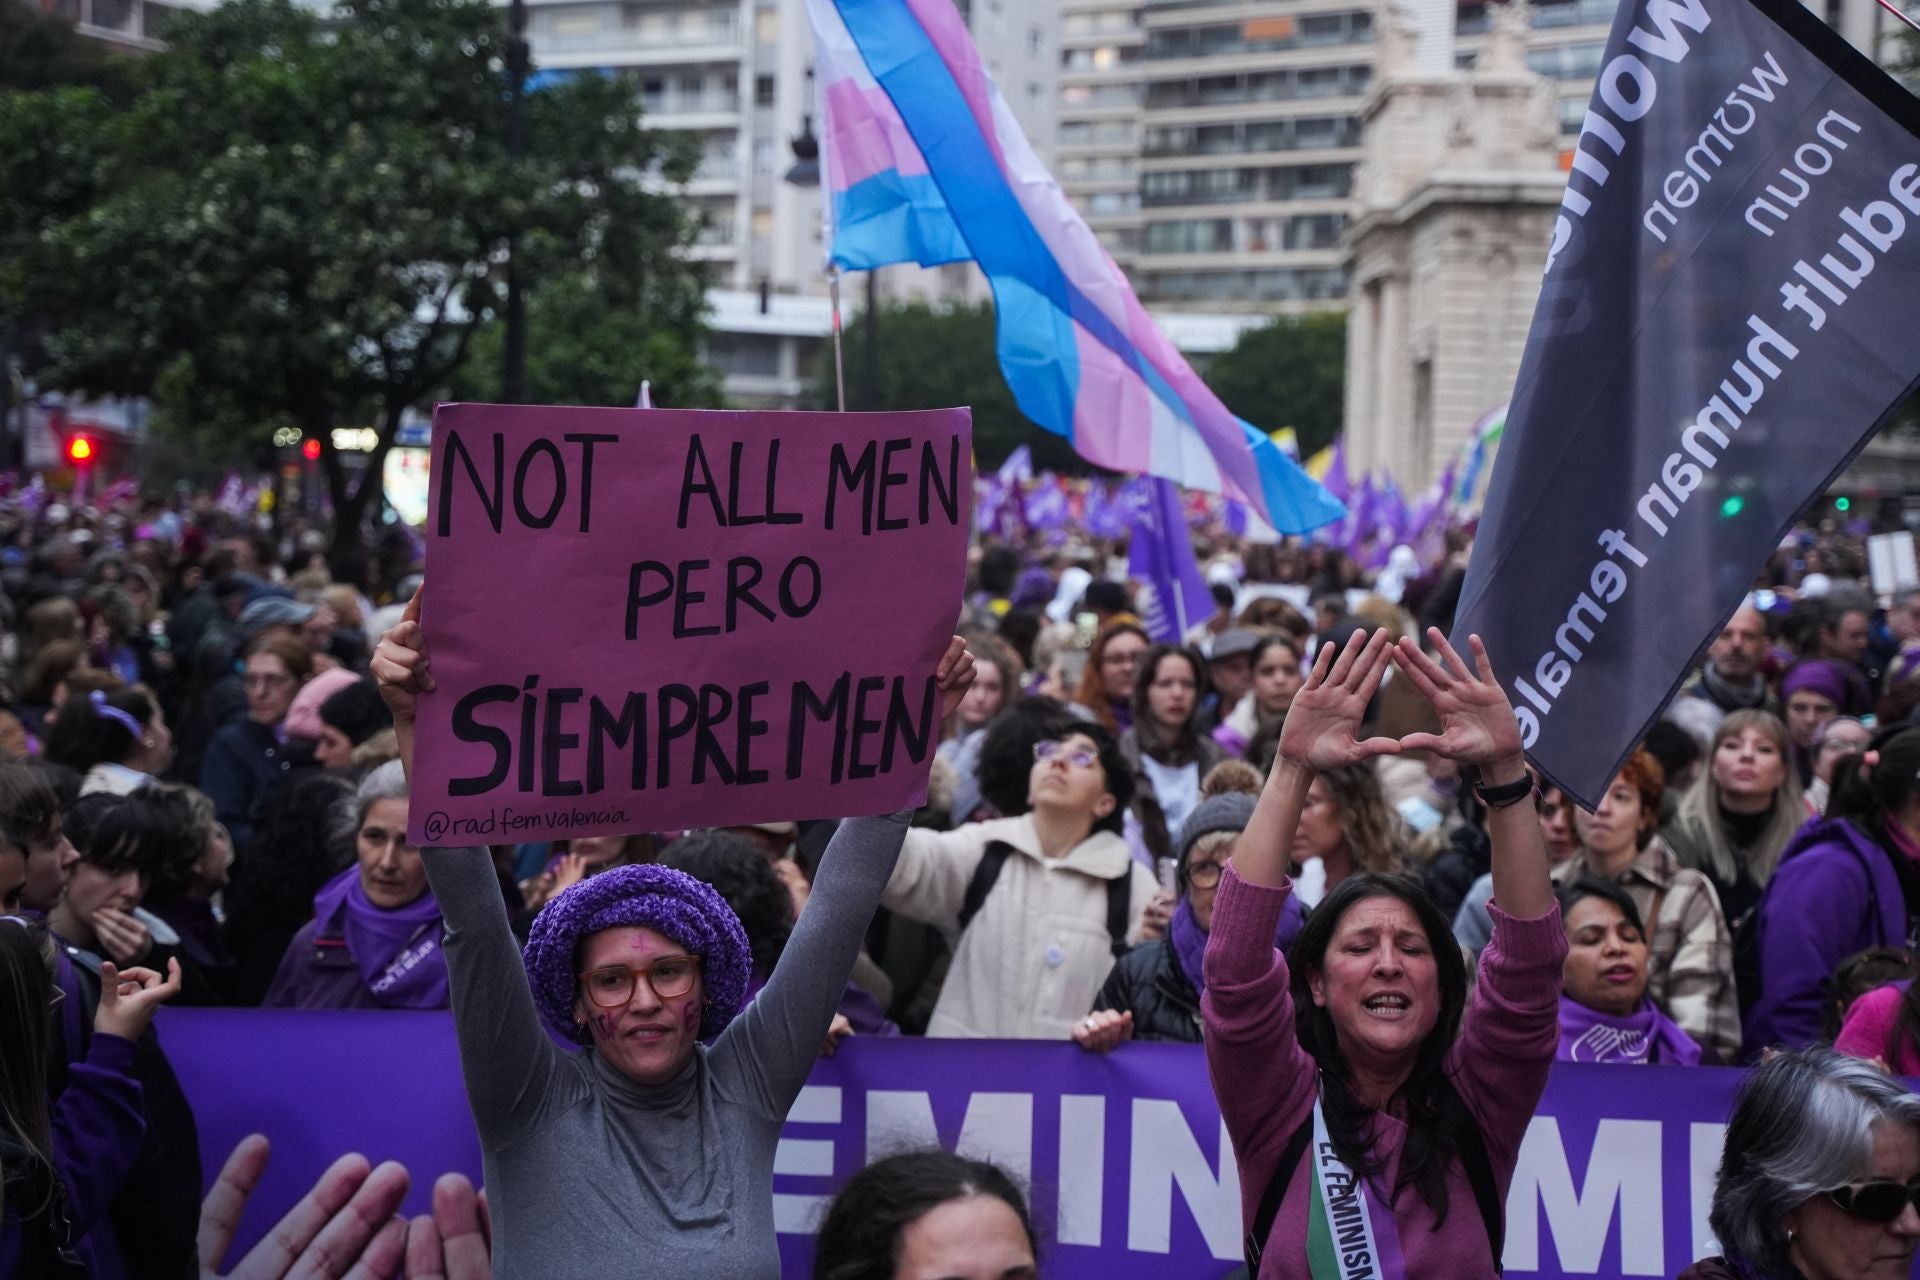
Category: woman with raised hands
<point>654,1147</point>
<point>1362,1046</point>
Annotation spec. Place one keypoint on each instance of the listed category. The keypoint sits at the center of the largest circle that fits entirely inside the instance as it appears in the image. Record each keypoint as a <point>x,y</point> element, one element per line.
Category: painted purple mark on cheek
<point>690,1017</point>
<point>604,1024</point>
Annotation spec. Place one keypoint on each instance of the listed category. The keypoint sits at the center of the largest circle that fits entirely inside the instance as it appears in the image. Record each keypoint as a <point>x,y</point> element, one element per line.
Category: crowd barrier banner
<point>1727,316</point>
<point>708,617</point>
<point>1131,1171</point>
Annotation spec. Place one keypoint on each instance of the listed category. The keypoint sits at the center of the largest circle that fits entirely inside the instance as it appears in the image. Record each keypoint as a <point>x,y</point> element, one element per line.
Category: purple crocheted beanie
<point>659,898</point>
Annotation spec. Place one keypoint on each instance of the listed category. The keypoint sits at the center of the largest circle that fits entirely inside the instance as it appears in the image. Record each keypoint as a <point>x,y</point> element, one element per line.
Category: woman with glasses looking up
<point>1036,906</point>
<point>651,1151</point>
<point>247,760</point>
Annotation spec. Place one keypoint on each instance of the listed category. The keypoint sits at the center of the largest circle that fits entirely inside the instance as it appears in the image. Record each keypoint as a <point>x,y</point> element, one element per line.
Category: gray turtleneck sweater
<point>589,1174</point>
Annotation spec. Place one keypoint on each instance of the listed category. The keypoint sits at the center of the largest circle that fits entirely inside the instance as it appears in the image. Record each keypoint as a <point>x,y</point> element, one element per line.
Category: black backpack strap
<point>1269,1210</point>
<point>1473,1154</point>
<point>1120,910</point>
<point>988,871</point>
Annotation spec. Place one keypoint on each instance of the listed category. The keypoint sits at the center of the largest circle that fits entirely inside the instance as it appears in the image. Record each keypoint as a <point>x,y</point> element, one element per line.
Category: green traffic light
<point>1731,506</point>
<point>1843,504</point>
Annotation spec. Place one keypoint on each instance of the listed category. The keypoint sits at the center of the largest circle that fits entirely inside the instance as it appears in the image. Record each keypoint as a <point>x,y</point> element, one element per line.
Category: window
<point>766,26</point>
<point>1036,41</point>
<point>763,91</point>
<point>763,155</point>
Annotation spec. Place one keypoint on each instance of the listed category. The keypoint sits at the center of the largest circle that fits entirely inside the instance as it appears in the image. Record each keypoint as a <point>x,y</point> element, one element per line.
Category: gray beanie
<point>1228,811</point>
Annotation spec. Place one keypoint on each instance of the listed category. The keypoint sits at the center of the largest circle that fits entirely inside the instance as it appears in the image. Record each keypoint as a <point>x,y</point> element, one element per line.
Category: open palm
<point>1322,725</point>
<point>1477,725</point>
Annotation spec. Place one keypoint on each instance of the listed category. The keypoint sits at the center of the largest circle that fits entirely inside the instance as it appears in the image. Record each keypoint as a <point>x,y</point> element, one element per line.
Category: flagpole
<point>839,368</point>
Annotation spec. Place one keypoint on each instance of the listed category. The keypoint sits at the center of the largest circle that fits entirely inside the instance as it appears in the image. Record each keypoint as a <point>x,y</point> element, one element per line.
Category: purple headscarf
<point>398,952</point>
<point>655,897</point>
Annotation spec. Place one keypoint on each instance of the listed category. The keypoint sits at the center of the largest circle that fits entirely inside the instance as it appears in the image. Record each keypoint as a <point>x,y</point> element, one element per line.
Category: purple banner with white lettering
<point>1130,1169</point>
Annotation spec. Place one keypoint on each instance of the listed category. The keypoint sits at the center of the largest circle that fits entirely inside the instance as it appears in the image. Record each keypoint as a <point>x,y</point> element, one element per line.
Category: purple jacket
<point>1835,893</point>
<point>97,1123</point>
<point>318,972</point>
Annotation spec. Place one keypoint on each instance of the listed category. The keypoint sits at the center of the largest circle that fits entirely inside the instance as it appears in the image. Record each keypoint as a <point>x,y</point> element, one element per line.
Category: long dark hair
<point>1184,746</point>
<point>1437,1118</point>
<point>25,1028</point>
<point>860,1235</point>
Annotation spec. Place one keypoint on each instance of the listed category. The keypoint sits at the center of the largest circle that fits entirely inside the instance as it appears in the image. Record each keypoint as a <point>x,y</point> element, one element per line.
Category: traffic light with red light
<point>80,450</point>
<point>311,449</point>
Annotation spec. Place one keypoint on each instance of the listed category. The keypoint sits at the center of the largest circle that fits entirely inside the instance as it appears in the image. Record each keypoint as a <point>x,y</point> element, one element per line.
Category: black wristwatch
<point>1507,793</point>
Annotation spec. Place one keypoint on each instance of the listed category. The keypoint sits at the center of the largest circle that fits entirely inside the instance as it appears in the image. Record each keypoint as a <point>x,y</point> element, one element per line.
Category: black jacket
<point>1149,982</point>
<point>1468,855</point>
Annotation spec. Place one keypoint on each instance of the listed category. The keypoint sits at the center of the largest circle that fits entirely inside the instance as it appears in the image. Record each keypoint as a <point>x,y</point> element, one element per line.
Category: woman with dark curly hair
<point>660,1136</point>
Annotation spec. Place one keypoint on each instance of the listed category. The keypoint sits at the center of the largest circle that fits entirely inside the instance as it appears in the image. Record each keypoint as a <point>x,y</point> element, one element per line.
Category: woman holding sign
<point>1367,1097</point>
<point>652,1151</point>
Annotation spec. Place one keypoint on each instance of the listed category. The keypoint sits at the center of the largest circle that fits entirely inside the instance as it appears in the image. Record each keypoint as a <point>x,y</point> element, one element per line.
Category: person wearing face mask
<point>1165,747</point>
<point>375,938</point>
<point>1820,1175</point>
<point>1690,971</point>
<point>1734,824</point>
<point>1256,718</point>
<point>1357,1066</point>
<point>247,759</point>
<point>1154,991</point>
<point>927,1215</point>
<point>659,1137</point>
<point>1846,882</point>
<point>1605,1013</point>
<point>1036,907</point>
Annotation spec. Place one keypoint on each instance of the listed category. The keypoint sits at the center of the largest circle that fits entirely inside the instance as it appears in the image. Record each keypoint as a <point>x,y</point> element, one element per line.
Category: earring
<point>148,742</point>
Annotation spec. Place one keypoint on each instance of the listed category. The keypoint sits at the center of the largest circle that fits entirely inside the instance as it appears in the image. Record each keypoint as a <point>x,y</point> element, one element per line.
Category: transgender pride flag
<point>926,164</point>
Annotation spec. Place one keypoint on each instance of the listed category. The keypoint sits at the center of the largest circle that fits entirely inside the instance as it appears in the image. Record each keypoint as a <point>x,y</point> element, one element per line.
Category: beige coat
<point>1035,955</point>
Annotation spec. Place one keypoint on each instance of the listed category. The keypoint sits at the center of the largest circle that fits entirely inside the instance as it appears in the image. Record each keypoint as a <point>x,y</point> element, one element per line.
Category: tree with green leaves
<point>1290,373</point>
<point>928,358</point>
<point>305,222</point>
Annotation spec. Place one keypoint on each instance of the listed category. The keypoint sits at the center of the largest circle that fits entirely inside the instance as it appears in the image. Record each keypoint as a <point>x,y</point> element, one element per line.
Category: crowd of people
<point>1303,834</point>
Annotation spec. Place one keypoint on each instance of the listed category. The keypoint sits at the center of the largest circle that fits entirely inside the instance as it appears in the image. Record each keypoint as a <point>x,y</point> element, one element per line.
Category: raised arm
<point>506,1055</point>
<point>1320,733</point>
<point>1477,728</point>
<point>772,1045</point>
<point>1265,1081</point>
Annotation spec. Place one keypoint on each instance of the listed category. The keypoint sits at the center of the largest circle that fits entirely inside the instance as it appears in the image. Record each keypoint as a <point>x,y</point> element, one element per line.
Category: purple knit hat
<point>671,902</point>
<point>1832,680</point>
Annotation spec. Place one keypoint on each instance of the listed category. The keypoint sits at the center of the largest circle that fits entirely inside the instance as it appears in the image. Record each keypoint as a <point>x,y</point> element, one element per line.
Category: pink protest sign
<point>647,619</point>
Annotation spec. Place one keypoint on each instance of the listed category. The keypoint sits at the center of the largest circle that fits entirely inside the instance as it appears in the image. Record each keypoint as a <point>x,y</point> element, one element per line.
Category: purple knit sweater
<point>1265,1081</point>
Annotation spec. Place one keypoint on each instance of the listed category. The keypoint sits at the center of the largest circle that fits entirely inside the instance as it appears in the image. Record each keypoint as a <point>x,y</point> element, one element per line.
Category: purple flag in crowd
<point>1161,559</point>
<point>1046,504</point>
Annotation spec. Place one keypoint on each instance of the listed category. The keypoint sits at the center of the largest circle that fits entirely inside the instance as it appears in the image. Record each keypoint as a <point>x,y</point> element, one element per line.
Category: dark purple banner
<point>1130,1169</point>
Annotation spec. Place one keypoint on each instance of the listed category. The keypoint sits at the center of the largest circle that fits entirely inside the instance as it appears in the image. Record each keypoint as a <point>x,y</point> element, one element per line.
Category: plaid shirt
<point>1690,956</point>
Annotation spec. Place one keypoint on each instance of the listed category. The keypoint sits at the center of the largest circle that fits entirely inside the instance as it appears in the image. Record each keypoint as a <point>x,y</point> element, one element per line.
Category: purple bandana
<point>398,952</point>
<point>1189,943</point>
<point>1644,1036</point>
